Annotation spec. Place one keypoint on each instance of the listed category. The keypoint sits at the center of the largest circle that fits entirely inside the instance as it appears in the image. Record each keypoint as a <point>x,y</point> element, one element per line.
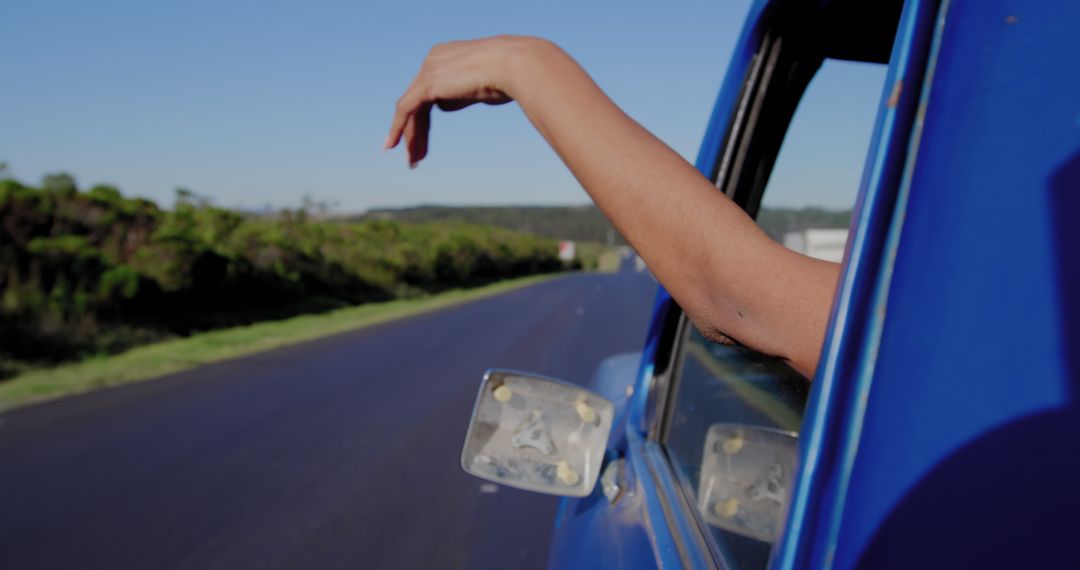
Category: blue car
<point>942,428</point>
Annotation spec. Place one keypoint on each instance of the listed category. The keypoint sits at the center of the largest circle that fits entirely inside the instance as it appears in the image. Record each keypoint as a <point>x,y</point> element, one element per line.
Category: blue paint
<point>973,350</point>
<point>564,503</point>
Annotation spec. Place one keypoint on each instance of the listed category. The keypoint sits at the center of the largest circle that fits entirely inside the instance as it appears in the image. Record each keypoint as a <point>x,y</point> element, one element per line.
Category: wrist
<point>524,59</point>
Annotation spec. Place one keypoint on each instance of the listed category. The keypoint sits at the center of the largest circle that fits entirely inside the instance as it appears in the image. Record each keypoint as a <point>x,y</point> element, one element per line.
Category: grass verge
<point>171,356</point>
<point>599,257</point>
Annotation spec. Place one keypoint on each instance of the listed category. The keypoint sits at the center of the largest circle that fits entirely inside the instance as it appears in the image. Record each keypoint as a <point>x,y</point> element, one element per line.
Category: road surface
<point>338,453</point>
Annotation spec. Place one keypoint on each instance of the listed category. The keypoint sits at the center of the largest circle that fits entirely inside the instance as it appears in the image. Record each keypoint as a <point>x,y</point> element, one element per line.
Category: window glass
<point>733,419</point>
<point>728,394</point>
<point>808,200</point>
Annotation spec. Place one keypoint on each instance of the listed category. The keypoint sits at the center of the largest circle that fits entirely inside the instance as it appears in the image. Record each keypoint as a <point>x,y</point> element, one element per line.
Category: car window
<point>722,391</point>
<point>733,415</point>
<point>807,203</point>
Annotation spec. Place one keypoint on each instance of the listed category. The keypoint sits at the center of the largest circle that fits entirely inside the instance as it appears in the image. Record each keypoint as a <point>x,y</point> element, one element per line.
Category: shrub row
<point>85,272</point>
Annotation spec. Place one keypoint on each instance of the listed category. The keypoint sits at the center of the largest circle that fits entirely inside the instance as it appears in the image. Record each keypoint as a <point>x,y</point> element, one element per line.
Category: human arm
<point>729,276</point>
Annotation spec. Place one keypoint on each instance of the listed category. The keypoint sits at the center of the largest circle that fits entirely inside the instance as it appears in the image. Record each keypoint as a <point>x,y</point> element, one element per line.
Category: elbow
<point>782,312</point>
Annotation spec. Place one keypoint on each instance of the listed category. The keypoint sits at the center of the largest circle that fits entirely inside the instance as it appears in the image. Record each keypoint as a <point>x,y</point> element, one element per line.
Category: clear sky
<point>254,103</point>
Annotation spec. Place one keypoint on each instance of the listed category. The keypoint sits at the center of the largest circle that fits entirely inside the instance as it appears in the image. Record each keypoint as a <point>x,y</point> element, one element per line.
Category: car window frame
<point>736,154</point>
<point>745,160</point>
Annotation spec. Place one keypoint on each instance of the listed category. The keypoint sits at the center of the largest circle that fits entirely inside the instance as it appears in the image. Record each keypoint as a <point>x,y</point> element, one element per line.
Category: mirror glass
<point>537,434</point>
<point>746,475</point>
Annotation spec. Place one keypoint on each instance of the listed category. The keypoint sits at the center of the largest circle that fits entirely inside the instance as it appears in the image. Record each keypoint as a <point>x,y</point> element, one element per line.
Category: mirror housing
<point>746,477</point>
<point>537,434</point>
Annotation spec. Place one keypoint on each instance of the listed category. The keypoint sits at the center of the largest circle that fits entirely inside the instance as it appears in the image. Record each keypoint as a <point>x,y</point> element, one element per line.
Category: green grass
<point>598,257</point>
<point>171,356</point>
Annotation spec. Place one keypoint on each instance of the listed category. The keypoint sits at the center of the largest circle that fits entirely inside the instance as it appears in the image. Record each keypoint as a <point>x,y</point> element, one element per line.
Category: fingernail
<point>412,165</point>
<point>386,144</point>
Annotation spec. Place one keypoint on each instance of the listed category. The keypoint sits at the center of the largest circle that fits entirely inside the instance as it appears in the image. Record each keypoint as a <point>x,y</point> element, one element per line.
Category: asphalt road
<point>338,453</point>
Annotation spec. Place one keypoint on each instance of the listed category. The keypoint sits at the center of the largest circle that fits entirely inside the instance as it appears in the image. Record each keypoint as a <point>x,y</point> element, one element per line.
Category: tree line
<point>576,223</point>
<point>588,224</point>
<point>86,272</point>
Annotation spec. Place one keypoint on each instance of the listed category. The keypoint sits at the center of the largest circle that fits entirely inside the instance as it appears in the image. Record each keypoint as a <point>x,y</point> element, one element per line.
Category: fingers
<point>447,79</point>
<point>412,115</point>
<point>404,110</point>
<point>416,134</point>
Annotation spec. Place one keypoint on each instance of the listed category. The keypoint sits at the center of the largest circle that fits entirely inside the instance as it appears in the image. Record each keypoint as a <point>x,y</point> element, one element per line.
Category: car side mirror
<point>746,475</point>
<point>537,434</point>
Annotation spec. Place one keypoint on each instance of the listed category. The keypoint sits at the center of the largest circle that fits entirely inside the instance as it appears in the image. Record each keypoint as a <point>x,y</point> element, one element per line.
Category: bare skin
<point>731,279</point>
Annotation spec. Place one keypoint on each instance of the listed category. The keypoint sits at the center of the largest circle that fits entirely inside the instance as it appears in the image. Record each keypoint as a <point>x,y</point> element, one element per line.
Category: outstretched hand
<point>752,289</point>
<point>453,76</point>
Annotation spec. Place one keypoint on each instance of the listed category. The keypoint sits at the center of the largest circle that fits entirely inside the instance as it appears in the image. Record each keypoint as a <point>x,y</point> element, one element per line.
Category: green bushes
<point>90,272</point>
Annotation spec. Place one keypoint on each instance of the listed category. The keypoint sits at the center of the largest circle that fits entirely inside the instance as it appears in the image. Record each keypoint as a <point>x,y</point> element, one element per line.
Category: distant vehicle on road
<point>827,244</point>
<point>941,425</point>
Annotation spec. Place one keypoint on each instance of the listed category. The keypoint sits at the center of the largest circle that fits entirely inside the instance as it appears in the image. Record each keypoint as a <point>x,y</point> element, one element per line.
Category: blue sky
<point>254,103</point>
